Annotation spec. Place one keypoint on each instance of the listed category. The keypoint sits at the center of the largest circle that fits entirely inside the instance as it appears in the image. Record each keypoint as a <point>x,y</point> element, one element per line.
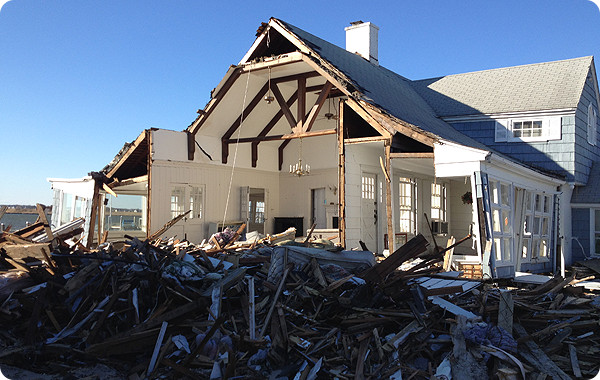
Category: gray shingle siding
<point>585,154</point>
<point>581,233</point>
<point>555,155</point>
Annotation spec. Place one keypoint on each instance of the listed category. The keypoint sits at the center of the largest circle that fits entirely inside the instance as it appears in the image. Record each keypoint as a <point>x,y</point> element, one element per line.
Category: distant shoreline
<point>26,210</point>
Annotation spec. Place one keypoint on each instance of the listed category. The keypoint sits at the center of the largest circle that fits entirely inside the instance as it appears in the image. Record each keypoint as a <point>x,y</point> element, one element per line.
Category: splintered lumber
<point>538,357</point>
<point>411,249</point>
<point>168,225</point>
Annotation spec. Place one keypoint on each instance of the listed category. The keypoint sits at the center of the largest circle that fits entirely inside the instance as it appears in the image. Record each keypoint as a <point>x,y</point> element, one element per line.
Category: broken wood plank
<point>273,303</point>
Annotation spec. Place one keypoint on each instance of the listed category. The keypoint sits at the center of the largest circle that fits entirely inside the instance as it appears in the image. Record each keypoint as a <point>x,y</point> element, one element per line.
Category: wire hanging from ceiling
<point>237,143</point>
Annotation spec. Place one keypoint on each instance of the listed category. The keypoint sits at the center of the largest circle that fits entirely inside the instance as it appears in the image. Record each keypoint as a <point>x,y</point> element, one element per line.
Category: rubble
<point>275,308</point>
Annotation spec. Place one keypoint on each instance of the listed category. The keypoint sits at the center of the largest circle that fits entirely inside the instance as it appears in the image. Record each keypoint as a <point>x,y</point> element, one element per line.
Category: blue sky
<point>80,78</point>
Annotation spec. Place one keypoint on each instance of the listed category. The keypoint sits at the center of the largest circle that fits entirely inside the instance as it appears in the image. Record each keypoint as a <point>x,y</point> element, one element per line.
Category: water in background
<point>17,221</point>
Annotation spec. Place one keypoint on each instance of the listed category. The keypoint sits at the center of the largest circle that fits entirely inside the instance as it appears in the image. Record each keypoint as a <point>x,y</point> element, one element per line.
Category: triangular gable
<point>131,161</point>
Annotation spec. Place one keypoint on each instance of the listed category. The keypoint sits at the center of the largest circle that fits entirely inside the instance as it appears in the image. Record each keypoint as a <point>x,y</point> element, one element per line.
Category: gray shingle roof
<point>535,87</point>
<point>383,88</point>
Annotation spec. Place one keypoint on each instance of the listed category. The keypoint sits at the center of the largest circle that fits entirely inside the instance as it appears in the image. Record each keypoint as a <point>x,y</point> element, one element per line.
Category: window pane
<point>505,221</point>
<point>498,247</point>
<point>528,224</point>
<point>536,225</point>
<point>538,203</point>
<point>525,248</point>
<point>506,254</point>
<point>528,202</point>
<point>496,220</point>
<point>494,190</point>
<point>535,248</point>
<point>597,245</point>
<point>177,200</point>
<point>195,202</point>
<point>505,194</point>
<point>544,248</point>
<point>597,219</point>
<point>545,223</point>
<point>547,203</point>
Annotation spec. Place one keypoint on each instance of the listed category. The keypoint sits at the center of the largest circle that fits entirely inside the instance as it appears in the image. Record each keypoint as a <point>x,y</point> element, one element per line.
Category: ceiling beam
<point>314,111</point>
<point>289,136</point>
<point>412,155</point>
<point>284,107</point>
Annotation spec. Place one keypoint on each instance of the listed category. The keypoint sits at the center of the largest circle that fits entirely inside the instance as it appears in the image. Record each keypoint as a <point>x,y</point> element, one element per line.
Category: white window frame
<point>438,197</point>
<point>403,208</point>
<point>591,125</point>
<point>186,202</point>
<point>536,231</point>
<point>551,129</point>
<point>594,231</point>
<point>502,215</point>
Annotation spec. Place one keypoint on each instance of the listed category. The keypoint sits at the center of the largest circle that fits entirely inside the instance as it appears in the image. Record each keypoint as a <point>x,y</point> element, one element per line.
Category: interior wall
<point>215,179</point>
<point>460,215</point>
<point>295,193</point>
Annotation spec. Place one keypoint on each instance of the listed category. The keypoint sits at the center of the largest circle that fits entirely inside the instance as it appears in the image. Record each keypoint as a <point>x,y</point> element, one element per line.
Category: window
<point>595,231</point>
<point>438,201</point>
<point>406,205</point>
<point>502,200</point>
<point>195,202</point>
<point>368,187</point>
<point>124,213</point>
<point>536,226</point>
<point>177,201</point>
<point>591,125</point>
<point>541,128</point>
<point>188,198</point>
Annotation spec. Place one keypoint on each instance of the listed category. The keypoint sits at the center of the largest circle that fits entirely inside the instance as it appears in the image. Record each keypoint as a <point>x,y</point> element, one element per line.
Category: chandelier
<point>299,169</point>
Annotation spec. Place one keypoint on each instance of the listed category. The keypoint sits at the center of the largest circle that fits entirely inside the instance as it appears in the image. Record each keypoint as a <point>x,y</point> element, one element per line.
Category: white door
<point>319,215</point>
<point>368,224</point>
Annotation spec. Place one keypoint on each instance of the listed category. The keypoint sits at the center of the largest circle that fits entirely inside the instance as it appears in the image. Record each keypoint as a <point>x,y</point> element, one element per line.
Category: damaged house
<point>303,132</point>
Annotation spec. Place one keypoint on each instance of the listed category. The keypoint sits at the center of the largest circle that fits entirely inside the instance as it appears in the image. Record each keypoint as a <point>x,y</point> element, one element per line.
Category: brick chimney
<point>362,39</point>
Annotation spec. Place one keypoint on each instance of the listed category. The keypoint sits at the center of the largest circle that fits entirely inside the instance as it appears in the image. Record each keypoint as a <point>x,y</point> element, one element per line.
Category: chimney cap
<point>357,22</point>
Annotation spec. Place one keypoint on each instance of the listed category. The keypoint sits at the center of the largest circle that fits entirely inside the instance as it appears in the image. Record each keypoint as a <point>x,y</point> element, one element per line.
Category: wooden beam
<point>388,197</point>
<point>149,197</point>
<point>341,178</point>
<point>396,125</point>
<point>129,181</point>
<point>412,155</point>
<point>289,136</point>
<point>238,121</point>
<point>361,140</point>
<point>132,147</point>
<point>360,111</point>
<point>191,145</point>
<point>275,120</point>
<point>210,107</point>
<point>314,111</point>
<point>94,213</point>
<point>284,107</point>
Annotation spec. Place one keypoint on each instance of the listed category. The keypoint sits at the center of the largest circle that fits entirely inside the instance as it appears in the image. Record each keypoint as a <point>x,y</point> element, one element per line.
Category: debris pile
<point>163,308</point>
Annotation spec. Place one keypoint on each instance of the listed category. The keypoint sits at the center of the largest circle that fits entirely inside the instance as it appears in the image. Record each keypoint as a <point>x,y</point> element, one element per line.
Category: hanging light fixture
<point>269,97</point>
<point>299,169</point>
<point>330,115</point>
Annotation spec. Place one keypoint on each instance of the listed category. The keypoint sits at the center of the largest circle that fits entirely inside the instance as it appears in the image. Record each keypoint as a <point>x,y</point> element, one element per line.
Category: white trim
<point>520,169</point>
<point>506,115</point>
<point>585,205</point>
<point>551,129</point>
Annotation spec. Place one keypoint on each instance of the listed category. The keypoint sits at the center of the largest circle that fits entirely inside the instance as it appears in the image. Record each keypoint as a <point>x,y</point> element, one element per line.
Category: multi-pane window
<point>368,187</point>
<point>195,202</point>
<point>406,205</point>
<point>438,201</point>
<point>530,128</point>
<point>537,225</point>
<point>501,199</point>
<point>177,201</point>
